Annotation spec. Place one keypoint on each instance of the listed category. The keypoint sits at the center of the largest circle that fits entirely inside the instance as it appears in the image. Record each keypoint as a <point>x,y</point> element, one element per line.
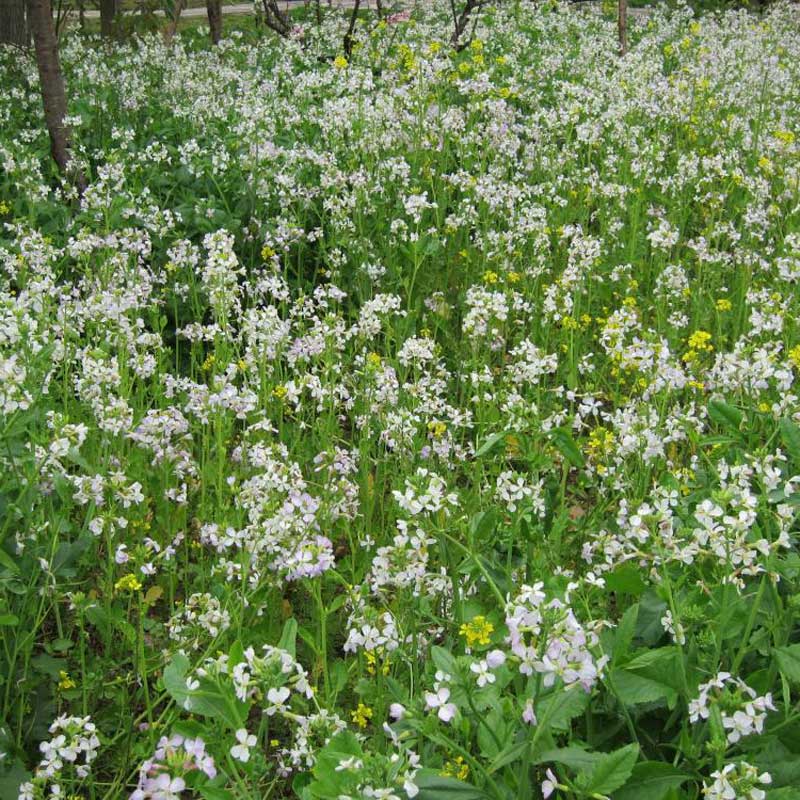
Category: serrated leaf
<point>610,771</point>
<point>651,780</point>
<point>631,688</point>
<point>574,757</point>
<point>557,710</point>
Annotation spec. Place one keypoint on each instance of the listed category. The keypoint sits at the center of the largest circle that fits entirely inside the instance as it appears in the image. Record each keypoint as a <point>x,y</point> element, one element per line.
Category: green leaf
<point>443,659</point>
<point>788,659</point>
<point>626,579</point>
<point>8,562</point>
<point>625,632</point>
<point>565,444</point>
<point>174,678</point>
<point>790,436</point>
<point>288,640</point>
<point>490,444</point>
<point>215,793</point>
<point>433,786</point>
<point>785,793</point>
<point>508,755</point>
<point>574,757</point>
<point>9,620</point>
<point>725,415</point>
<point>557,710</point>
<point>610,771</point>
<point>651,780</point>
<point>631,688</point>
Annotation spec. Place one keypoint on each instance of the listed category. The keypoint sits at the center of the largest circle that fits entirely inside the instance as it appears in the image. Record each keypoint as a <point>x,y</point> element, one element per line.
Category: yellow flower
<point>4,207</point>
<point>794,356</point>
<point>128,583</point>
<point>490,277</point>
<point>266,251</point>
<point>208,364</point>
<point>477,631</point>
<point>373,360</point>
<point>437,429</point>
<point>700,340</point>
<point>723,304</point>
<point>280,392</point>
<point>65,681</point>
<point>455,769</point>
<point>362,715</point>
<point>340,62</point>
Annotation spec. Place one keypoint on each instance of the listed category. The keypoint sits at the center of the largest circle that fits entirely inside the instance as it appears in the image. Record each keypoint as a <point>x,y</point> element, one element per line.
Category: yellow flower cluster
<point>128,583</point>
<point>362,715</point>
<point>477,631</point>
<point>456,768</point>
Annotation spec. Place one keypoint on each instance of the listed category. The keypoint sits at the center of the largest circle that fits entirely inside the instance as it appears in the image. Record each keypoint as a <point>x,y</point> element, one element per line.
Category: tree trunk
<point>54,99</point>
<point>214,20</point>
<point>622,26</point>
<point>172,26</point>
<point>14,24</point>
<point>108,10</point>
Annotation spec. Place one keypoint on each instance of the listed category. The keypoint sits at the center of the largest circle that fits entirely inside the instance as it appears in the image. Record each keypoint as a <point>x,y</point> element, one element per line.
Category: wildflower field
<point>418,423</point>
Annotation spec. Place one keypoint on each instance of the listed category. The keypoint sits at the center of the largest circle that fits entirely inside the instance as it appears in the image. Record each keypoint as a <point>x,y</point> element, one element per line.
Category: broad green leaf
<point>565,444</point>
<point>557,710</point>
<point>8,562</point>
<point>574,757</point>
<point>610,771</point>
<point>433,786</point>
<point>174,678</point>
<point>724,414</point>
<point>651,780</point>
<point>631,688</point>
<point>9,620</point>
<point>288,640</point>
<point>625,632</point>
<point>790,436</point>
<point>626,579</point>
<point>443,659</point>
<point>508,755</point>
<point>788,659</point>
<point>490,444</point>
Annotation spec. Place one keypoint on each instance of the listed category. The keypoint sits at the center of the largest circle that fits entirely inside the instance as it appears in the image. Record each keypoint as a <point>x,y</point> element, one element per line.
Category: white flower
<point>438,700</point>
<point>241,751</point>
<point>481,669</point>
<point>549,785</point>
<point>277,699</point>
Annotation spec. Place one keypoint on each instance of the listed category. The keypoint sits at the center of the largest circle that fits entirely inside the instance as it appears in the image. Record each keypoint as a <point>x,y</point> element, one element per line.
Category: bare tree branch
<point>463,21</point>
<point>276,19</point>
<point>348,37</point>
